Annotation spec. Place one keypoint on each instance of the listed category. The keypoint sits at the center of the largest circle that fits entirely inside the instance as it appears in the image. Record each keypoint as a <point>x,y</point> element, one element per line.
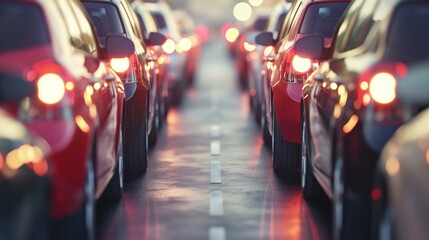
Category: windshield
<point>21,26</point>
<point>105,17</point>
<point>322,18</point>
<point>408,36</point>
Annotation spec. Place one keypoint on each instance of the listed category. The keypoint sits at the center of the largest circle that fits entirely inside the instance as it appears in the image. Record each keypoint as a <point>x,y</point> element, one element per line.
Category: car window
<point>406,43</point>
<point>159,20</point>
<point>105,17</point>
<point>23,24</point>
<point>133,19</point>
<point>356,25</point>
<point>287,22</point>
<point>88,38</point>
<point>322,18</point>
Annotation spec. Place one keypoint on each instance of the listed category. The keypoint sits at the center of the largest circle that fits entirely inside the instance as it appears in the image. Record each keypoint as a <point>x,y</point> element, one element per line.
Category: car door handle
<point>150,58</point>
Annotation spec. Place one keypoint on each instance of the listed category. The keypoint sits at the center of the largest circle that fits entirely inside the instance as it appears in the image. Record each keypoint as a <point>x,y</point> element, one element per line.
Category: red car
<point>78,105</point>
<point>288,71</point>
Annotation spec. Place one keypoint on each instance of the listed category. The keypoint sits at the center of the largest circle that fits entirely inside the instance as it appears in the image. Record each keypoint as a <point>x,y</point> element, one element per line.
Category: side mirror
<point>118,46</point>
<point>13,88</point>
<point>310,47</point>
<point>156,38</point>
<point>265,39</point>
<point>413,89</point>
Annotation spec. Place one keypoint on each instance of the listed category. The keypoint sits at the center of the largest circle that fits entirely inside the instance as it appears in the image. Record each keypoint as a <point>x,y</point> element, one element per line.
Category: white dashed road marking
<point>216,203</point>
<point>215,148</point>
<point>217,233</point>
<point>215,172</point>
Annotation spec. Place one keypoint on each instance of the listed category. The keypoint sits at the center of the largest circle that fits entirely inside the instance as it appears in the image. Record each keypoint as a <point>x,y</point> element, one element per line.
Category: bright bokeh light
<point>50,88</point>
<point>169,46</point>
<point>256,3</point>
<point>268,50</point>
<point>120,65</point>
<point>242,11</point>
<point>185,44</point>
<point>382,88</point>
<point>231,34</point>
<point>249,47</point>
<point>300,64</point>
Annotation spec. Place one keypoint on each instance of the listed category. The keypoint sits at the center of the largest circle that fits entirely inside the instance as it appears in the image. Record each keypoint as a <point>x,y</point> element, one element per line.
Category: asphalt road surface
<point>210,176</point>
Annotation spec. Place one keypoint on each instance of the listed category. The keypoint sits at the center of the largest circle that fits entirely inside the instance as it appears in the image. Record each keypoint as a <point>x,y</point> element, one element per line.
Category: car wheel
<point>80,225</point>
<point>285,155</point>
<point>350,210</point>
<point>266,135</point>
<point>113,190</point>
<point>177,93</point>
<point>257,110</point>
<point>310,187</point>
<point>136,153</point>
<point>153,134</point>
<point>382,221</point>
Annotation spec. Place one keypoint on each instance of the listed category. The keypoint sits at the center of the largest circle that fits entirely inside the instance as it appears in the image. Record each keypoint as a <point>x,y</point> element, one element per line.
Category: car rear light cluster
<point>126,68</point>
<point>379,83</point>
<point>55,94</point>
<point>169,46</point>
<point>297,68</point>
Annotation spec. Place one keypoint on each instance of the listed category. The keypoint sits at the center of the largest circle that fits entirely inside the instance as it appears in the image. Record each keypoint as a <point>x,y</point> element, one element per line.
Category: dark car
<point>163,14</point>
<point>117,17</point>
<point>349,105</point>
<point>24,171</point>
<point>148,28</point>
<point>289,70</point>
<point>400,194</point>
<point>78,105</point>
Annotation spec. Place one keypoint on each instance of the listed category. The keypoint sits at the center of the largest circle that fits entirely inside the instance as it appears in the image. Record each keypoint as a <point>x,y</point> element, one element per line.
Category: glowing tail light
<point>268,50</point>
<point>382,88</point>
<point>169,46</point>
<point>249,47</point>
<point>51,88</point>
<point>185,44</point>
<point>379,83</point>
<point>231,34</point>
<point>300,64</point>
<point>120,65</point>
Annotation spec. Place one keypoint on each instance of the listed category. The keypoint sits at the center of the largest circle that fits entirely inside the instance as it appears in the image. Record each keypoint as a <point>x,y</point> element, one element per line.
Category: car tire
<point>266,135</point>
<point>285,155</point>
<point>348,209</point>
<point>113,190</point>
<point>382,221</point>
<point>80,225</point>
<point>153,134</point>
<point>136,153</point>
<point>311,189</point>
<point>177,94</point>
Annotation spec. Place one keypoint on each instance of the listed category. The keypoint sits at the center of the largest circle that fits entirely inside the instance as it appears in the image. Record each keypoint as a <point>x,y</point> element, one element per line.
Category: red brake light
<point>382,88</point>
<point>120,65</point>
<point>50,88</point>
<point>169,46</point>
<point>185,44</point>
<point>300,64</point>
<point>379,84</point>
<point>249,47</point>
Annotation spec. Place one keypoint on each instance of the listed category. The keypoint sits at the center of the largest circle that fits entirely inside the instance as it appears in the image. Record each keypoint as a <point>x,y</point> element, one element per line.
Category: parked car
<point>289,70</point>
<point>164,18</point>
<point>400,194</point>
<point>349,106</point>
<point>78,106</point>
<point>24,170</point>
<point>148,28</point>
<point>190,43</point>
<point>117,17</point>
<point>259,88</point>
<point>244,47</point>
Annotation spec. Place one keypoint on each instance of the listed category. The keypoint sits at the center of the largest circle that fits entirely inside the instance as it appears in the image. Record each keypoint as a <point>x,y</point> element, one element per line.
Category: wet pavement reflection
<point>210,176</point>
